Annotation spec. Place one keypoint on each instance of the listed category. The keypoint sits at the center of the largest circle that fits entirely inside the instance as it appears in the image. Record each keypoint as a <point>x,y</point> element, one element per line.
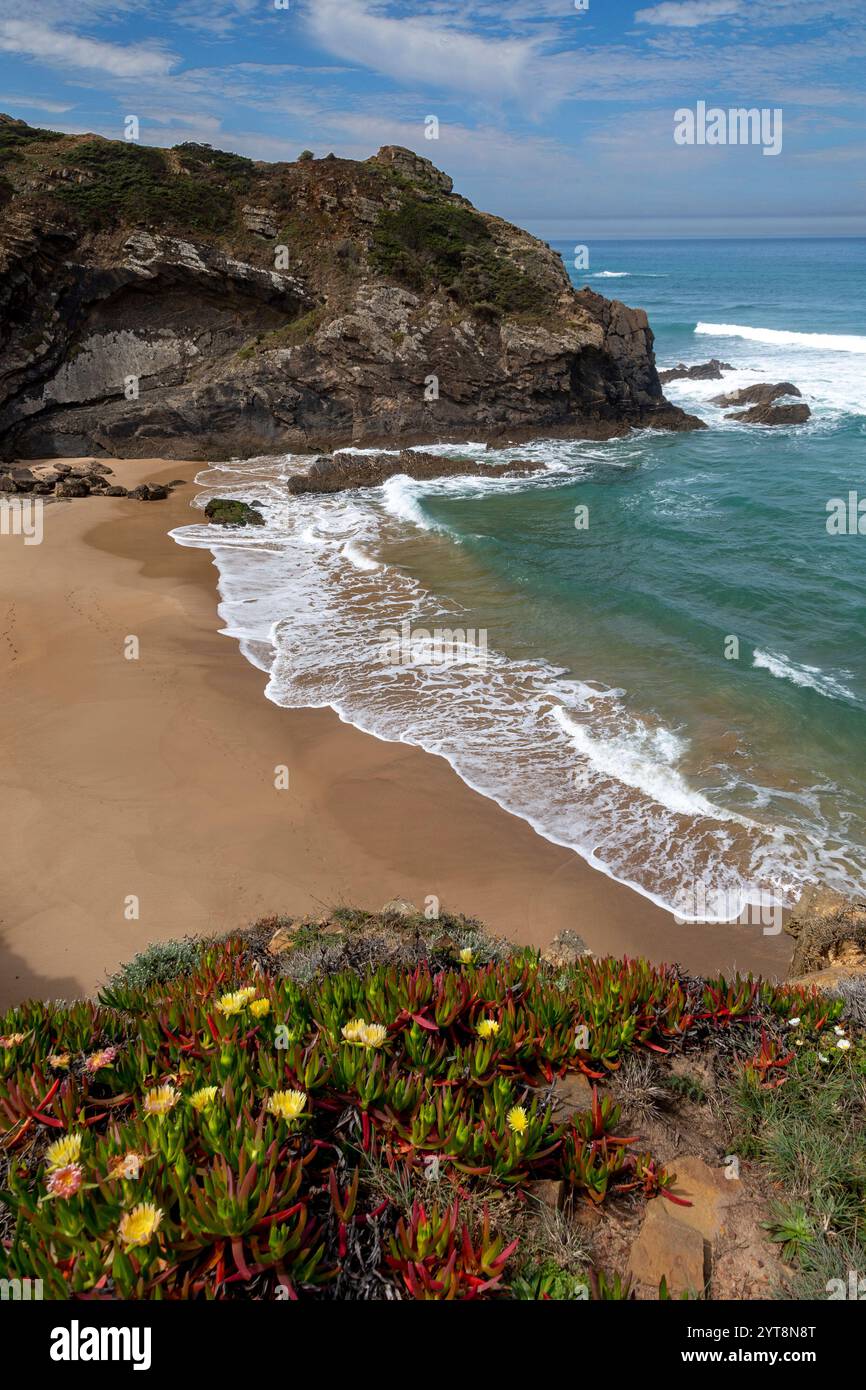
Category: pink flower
<point>104,1058</point>
<point>65,1182</point>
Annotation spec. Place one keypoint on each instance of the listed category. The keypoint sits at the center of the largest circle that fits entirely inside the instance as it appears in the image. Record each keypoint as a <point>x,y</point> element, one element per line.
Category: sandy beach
<point>152,781</point>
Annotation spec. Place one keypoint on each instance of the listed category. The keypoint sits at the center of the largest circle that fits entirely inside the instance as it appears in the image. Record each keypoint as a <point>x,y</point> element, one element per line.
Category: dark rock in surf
<point>703,371</point>
<point>342,471</point>
<point>229,512</point>
<point>772,415</point>
<point>762,393</point>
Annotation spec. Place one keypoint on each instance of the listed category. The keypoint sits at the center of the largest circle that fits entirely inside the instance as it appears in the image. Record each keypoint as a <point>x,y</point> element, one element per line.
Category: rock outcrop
<point>762,393</point>
<point>796,414</point>
<point>194,304</point>
<point>702,371</point>
<point>224,511</point>
<point>342,471</point>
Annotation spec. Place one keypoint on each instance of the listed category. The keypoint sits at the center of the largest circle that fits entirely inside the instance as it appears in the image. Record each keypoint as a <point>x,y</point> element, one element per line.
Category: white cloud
<point>55,108</point>
<point>688,14</point>
<point>61,48</point>
<point>423,51</point>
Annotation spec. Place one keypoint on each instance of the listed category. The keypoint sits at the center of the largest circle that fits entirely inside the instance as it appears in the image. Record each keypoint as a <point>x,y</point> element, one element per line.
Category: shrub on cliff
<point>137,183</point>
<point>431,243</point>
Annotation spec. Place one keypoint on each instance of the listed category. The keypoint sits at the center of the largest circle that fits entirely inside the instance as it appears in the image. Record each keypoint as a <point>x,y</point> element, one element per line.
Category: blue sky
<point>553,116</point>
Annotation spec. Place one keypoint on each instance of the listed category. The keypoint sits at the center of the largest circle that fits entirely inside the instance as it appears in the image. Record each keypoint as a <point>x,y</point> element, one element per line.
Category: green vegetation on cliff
<point>137,183</point>
<point>429,242</point>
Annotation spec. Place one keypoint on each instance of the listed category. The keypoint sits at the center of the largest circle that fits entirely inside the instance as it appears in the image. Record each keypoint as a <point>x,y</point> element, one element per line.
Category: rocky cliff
<point>192,303</point>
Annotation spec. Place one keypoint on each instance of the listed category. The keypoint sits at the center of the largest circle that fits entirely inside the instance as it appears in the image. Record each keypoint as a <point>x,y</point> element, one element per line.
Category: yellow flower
<point>160,1100</point>
<point>63,1151</point>
<point>139,1226</point>
<point>59,1060</point>
<point>467,955</point>
<point>487,1028</point>
<point>126,1165</point>
<point>259,1008</point>
<point>287,1105</point>
<point>354,1032</point>
<point>201,1099</point>
<point>518,1120</point>
<point>375,1035</point>
<point>249,992</point>
<point>365,1034</point>
<point>65,1181</point>
<point>231,1004</point>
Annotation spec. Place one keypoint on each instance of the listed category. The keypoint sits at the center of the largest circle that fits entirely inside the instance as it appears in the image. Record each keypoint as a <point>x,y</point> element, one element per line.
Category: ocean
<point>654,650</point>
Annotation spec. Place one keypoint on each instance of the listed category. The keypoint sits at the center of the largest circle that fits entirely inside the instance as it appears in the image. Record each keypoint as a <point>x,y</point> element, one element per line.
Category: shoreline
<point>154,779</point>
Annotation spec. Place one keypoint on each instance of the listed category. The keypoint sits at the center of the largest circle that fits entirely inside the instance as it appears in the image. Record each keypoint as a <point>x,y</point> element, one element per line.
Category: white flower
<point>793,1023</point>
<point>840,1032</point>
<point>822,1057</point>
<point>844,1044</point>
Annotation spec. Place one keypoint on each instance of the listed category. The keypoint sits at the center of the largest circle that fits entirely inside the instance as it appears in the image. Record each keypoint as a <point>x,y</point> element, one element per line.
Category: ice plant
<point>518,1120</point>
<point>353,1032</point>
<point>487,1027</point>
<point>139,1226</point>
<point>126,1165</point>
<point>362,1034</point>
<point>233,1003</point>
<point>160,1100</point>
<point>467,955</point>
<point>59,1060</point>
<point>260,1008</point>
<point>12,1040</point>
<point>63,1151</point>
<point>65,1181</point>
<point>287,1105</point>
<point>104,1058</point>
<point>203,1097</point>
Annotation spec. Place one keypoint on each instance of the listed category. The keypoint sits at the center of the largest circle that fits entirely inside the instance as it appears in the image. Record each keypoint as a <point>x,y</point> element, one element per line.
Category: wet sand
<point>147,786</point>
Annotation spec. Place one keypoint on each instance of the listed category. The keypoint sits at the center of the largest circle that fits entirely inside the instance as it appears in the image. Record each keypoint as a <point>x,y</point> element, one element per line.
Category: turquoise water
<point>677,691</point>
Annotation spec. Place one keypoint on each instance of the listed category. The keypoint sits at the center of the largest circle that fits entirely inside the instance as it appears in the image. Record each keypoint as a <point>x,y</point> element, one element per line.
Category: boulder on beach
<point>72,487</point>
<point>149,492</point>
<point>703,371</point>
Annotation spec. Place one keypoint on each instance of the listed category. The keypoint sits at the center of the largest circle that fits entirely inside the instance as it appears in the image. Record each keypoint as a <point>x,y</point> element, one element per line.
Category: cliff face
<point>195,304</point>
